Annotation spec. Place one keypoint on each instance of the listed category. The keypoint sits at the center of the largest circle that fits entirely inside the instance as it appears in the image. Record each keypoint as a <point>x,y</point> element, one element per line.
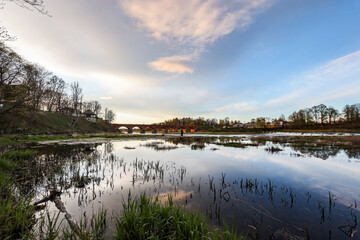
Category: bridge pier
<point>130,130</point>
<point>166,130</point>
<point>154,130</point>
<point>142,130</point>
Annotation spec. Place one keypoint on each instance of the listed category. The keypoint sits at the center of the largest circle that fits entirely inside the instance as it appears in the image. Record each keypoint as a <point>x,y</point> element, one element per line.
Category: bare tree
<point>37,5</point>
<point>109,115</point>
<point>323,112</point>
<point>348,112</point>
<point>61,95</point>
<point>333,114</point>
<point>315,111</point>
<point>63,101</point>
<point>76,95</point>
<point>55,88</point>
<point>36,78</point>
<point>97,108</point>
<point>11,66</point>
<point>13,89</point>
<point>356,112</point>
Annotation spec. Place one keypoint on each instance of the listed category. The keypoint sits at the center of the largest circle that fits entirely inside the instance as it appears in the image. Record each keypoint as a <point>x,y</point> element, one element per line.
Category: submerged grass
<point>237,144</point>
<point>273,149</point>
<point>147,218</point>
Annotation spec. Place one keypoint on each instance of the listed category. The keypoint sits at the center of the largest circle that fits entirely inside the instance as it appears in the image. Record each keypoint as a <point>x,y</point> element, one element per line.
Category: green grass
<point>93,228</point>
<point>51,122</point>
<point>19,155</point>
<point>16,213</point>
<point>146,218</point>
<point>14,140</point>
<point>6,165</point>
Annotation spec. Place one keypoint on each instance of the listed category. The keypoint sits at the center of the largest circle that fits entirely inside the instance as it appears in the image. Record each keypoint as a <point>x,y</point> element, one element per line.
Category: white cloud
<point>222,109</point>
<point>237,107</point>
<point>336,79</point>
<point>245,106</point>
<point>195,23</point>
<point>336,69</point>
<point>285,98</point>
<point>345,91</point>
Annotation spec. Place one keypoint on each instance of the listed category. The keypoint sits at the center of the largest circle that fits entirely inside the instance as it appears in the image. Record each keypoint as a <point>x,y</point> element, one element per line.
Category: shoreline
<point>16,139</point>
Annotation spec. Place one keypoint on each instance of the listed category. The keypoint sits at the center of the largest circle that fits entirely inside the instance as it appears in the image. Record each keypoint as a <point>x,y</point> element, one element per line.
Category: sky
<point>151,60</point>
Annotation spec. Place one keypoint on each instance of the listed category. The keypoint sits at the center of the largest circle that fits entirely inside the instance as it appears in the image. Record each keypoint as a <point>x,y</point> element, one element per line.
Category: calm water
<point>264,188</point>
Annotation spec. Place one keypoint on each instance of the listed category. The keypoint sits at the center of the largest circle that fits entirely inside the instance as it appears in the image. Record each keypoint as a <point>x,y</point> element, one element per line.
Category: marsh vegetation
<point>263,187</point>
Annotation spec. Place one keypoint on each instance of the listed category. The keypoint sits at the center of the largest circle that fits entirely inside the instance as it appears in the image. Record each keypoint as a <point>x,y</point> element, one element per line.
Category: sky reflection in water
<point>249,187</point>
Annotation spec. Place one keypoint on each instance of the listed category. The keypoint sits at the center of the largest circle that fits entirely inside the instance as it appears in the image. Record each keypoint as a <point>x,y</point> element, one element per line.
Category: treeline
<point>319,115</point>
<point>210,122</point>
<point>26,88</point>
<point>326,115</point>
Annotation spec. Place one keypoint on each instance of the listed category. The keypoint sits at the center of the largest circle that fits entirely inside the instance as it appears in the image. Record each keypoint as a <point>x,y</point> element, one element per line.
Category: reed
<point>16,213</point>
<point>147,218</point>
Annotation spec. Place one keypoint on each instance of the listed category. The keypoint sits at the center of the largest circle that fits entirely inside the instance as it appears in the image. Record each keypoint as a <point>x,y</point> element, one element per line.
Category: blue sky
<point>151,60</point>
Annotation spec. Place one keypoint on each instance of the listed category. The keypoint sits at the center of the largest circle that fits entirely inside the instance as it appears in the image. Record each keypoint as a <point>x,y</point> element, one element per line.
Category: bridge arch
<point>154,127</point>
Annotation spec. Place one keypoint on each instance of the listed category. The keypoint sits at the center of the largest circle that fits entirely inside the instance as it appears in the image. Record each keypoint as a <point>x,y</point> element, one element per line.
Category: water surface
<point>263,187</point>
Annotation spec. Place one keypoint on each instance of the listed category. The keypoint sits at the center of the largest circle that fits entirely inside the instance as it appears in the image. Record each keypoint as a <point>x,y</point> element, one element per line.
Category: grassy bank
<point>22,139</point>
<point>346,128</point>
<point>50,122</point>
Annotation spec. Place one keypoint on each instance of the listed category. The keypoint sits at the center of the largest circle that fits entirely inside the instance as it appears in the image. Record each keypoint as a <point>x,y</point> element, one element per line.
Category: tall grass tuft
<point>19,155</point>
<point>16,213</point>
<point>147,218</point>
<point>93,228</point>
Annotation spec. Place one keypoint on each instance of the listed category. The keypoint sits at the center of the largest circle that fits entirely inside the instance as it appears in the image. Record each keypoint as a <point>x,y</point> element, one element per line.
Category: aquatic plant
<point>147,218</point>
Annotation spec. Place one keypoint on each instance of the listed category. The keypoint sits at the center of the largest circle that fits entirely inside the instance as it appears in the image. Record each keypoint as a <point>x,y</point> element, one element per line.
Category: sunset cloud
<point>174,64</point>
<point>194,22</point>
<point>190,23</point>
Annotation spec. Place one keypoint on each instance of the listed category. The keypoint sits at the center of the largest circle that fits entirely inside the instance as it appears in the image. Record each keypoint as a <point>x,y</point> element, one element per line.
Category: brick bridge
<point>155,127</point>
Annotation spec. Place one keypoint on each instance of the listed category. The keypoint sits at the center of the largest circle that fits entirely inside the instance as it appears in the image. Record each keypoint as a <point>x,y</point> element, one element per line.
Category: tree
<point>355,112</point>
<point>30,4</point>
<point>260,122</point>
<point>11,66</point>
<point>76,95</point>
<point>333,114</point>
<point>36,78</point>
<point>323,112</point>
<point>348,113</point>
<point>94,106</point>
<point>298,118</point>
<point>109,115</point>
<point>38,5</point>
<point>315,111</point>
<point>282,117</point>
<point>12,83</point>
<point>55,87</point>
